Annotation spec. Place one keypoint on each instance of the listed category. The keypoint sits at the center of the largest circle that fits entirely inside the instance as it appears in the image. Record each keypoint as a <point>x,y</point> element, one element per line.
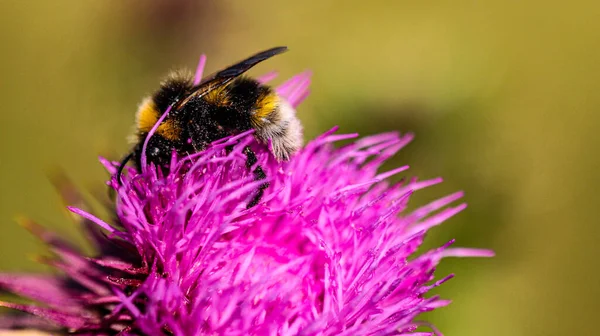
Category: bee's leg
<point>119,173</point>
<point>122,166</point>
<point>259,174</point>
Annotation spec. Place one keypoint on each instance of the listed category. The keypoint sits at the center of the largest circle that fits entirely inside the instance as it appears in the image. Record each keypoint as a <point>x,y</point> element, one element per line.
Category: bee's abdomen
<point>268,114</point>
<point>233,106</point>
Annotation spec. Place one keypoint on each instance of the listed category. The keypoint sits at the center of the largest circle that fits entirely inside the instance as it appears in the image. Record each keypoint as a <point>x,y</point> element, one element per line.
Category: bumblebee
<point>222,104</point>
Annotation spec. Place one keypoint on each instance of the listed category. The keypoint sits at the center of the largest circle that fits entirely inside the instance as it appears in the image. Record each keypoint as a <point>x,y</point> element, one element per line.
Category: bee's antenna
<point>122,166</point>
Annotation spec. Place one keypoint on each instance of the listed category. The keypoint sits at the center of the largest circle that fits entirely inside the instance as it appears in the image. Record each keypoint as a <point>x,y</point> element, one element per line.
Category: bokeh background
<point>503,97</point>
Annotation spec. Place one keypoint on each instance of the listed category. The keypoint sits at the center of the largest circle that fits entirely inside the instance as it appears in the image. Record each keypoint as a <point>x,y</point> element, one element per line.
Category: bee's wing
<point>221,78</point>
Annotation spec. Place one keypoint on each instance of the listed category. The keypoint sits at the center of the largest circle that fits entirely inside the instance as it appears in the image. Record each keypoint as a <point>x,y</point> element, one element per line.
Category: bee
<point>222,104</point>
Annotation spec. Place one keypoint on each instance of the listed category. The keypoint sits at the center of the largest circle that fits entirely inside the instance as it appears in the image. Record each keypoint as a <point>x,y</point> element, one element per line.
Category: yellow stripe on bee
<point>148,115</point>
<point>218,96</point>
<point>265,105</point>
<point>169,130</point>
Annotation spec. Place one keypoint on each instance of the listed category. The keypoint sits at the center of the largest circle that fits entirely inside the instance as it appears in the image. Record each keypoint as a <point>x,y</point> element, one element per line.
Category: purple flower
<point>329,250</point>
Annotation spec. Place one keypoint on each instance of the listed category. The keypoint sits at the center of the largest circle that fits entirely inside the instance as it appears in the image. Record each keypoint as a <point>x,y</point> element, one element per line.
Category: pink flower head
<point>329,250</point>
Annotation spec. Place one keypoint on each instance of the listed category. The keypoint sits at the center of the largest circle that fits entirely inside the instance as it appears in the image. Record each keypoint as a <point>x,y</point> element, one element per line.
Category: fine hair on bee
<point>190,116</point>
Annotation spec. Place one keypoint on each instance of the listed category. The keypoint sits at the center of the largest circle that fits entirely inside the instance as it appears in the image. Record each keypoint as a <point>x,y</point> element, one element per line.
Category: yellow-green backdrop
<point>503,97</point>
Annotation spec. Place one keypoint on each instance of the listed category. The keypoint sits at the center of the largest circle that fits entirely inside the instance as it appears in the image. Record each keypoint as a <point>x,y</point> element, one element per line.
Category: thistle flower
<point>327,251</point>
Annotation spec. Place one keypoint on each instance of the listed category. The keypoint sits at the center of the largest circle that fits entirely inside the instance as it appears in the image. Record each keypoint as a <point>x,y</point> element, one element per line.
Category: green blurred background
<point>501,94</point>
